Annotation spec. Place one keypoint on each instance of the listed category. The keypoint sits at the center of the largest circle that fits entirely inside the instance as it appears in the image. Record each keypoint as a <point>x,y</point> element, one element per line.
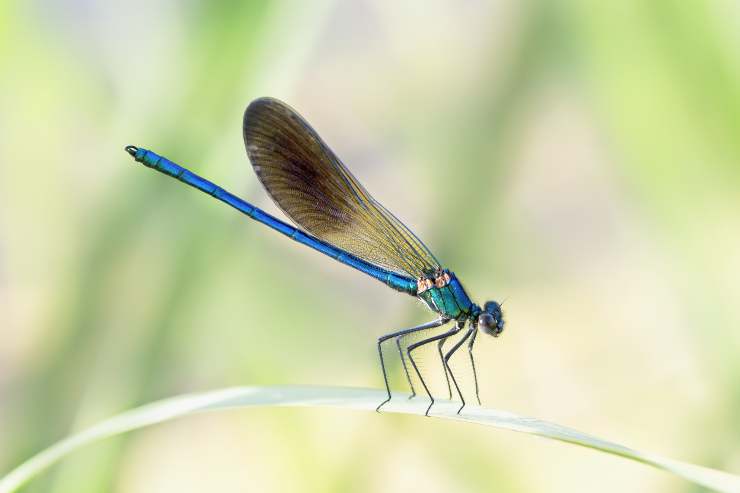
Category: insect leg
<point>472,363</point>
<point>447,364</point>
<point>405,367</point>
<point>416,345</point>
<point>428,325</point>
<point>444,367</point>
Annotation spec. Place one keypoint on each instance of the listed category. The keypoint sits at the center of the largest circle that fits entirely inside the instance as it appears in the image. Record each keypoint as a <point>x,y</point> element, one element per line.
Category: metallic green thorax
<point>450,301</point>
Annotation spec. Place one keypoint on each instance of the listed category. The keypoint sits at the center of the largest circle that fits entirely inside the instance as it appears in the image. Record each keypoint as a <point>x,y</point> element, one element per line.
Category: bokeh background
<point>580,160</point>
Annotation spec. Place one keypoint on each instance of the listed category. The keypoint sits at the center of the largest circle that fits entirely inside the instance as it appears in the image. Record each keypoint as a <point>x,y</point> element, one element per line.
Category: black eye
<point>486,319</point>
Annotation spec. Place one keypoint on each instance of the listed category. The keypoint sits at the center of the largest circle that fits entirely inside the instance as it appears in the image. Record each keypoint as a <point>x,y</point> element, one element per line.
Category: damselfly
<point>338,217</point>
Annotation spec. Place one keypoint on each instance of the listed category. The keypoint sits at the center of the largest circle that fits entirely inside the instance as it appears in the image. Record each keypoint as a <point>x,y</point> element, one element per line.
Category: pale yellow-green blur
<point>579,161</point>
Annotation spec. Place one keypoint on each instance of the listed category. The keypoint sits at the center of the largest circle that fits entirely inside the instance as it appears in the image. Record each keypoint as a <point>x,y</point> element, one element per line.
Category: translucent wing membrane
<point>319,194</point>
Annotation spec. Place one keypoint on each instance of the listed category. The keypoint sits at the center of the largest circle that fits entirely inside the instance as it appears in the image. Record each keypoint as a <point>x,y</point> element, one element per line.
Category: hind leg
<point>401,333</point>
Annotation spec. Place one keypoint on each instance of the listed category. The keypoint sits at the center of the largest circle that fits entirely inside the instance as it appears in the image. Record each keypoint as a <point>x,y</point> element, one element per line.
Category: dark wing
<point>319,194</point>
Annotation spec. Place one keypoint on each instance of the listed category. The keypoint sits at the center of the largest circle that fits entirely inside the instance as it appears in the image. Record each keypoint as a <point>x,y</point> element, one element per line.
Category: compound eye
<point>486,320</point>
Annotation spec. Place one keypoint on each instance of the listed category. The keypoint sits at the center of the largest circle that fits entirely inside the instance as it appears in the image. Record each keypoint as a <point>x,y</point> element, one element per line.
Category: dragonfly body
<point>336,216</point>
<point>442,293</point>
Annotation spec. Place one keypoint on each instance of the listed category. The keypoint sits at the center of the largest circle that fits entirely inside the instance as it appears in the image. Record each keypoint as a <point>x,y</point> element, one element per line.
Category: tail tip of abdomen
<point>132,150</point>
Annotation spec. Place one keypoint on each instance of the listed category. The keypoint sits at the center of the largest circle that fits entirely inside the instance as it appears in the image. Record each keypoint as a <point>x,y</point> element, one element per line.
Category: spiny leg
<point>428,325</point>
<point>416,345</point>
<point>406,370</point>
<point>405,367</point>
<point>447,364</point>
<point>472,363</point>
<point>444,367</point>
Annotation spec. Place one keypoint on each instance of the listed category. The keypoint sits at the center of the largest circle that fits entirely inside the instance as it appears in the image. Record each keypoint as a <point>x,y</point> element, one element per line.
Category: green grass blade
<point>350,398</point>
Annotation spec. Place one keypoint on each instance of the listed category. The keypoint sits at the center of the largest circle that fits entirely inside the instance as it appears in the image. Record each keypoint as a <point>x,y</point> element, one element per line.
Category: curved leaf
<point>351,398</point>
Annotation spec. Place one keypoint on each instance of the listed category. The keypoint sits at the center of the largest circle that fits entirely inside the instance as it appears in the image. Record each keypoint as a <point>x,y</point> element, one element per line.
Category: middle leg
<point>441,343</point>
<point>417,345</point>
<point>447,364</point>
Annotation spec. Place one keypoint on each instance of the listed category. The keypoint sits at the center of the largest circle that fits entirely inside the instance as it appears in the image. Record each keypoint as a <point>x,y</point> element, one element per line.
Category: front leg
<point>472,364</point>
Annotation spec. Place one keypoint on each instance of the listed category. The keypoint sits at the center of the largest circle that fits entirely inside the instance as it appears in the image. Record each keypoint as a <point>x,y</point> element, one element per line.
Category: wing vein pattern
<point>320,195</point>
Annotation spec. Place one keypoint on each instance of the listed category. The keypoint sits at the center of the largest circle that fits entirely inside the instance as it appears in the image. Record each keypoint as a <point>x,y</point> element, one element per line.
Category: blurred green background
<point>580,160</point>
